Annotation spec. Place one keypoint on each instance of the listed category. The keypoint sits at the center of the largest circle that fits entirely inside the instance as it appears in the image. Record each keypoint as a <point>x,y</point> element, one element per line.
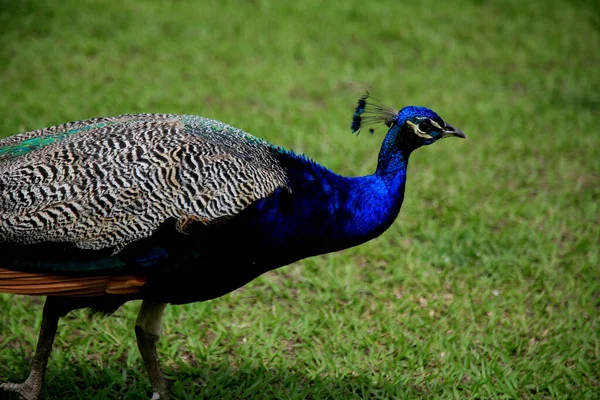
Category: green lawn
<point>488,284</point>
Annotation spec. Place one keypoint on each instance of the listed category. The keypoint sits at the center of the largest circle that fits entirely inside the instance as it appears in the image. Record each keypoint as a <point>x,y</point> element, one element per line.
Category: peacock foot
<point>25,391</point>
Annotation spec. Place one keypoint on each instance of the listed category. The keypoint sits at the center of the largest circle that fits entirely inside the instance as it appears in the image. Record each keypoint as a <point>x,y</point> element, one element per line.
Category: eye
<point>425,126</point>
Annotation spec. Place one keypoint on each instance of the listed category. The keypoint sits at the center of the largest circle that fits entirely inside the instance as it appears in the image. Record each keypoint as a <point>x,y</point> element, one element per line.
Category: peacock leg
<point>147,331</point>
<point>31,389</point>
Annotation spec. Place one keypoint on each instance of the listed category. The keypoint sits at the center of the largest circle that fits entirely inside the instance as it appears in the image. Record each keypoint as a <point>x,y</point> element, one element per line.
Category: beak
<point>449,130</point>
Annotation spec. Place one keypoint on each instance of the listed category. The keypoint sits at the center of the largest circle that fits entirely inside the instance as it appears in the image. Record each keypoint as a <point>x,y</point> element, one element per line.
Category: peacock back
<point>103,183</point>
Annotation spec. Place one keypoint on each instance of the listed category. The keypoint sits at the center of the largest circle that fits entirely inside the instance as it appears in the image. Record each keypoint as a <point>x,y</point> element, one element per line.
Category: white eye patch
<point>436,125</point>
<point>419,132</point>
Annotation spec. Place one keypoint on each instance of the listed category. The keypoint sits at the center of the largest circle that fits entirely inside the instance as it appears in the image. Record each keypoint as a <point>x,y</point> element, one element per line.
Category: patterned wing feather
<point>106,182</point>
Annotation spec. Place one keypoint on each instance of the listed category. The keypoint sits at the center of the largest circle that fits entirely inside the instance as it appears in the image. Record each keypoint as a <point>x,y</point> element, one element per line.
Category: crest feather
<point>376,113</point>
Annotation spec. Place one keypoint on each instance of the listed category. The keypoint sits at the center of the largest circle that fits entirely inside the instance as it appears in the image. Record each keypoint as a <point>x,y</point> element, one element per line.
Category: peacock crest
<point>369,112</point>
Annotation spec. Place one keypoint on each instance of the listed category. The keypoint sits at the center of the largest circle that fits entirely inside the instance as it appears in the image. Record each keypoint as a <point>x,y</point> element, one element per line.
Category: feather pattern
<point>107,182</point>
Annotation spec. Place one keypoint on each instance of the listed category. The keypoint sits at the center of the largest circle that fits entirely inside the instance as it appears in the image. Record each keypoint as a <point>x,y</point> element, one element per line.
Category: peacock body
<point>176,209</point>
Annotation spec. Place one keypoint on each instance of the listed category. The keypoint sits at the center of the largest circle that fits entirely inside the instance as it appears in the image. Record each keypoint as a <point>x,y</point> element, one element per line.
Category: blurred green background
<point>487,285</point>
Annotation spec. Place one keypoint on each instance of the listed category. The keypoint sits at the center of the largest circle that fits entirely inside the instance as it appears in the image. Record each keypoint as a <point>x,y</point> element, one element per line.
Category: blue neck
<point>377,198</point>
<point>327,212</point>
<point>393,160</point>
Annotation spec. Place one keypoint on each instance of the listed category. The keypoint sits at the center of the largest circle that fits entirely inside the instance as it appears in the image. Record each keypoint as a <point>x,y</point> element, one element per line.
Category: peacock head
<point>411,127</point>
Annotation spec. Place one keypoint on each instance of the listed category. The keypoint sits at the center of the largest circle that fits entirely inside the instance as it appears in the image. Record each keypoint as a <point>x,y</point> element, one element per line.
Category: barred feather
<point>106,182</point>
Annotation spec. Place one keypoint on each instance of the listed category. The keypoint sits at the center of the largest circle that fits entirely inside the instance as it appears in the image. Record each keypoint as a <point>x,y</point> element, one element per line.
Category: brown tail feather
<point>18,282</point>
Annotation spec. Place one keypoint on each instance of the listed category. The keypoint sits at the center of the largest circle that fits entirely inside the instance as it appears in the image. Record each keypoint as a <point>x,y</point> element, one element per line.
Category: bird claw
<point>24,390</point>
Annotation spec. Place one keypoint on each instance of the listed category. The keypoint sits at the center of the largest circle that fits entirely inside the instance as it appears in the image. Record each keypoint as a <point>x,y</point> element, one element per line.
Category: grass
<point>487,285</point>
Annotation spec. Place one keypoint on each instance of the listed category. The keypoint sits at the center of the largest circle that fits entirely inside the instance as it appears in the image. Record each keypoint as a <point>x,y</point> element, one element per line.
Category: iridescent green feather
<point>26,146</point>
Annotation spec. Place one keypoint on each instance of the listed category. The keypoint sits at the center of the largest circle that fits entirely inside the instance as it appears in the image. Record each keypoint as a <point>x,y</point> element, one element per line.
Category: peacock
<point>99,212</point>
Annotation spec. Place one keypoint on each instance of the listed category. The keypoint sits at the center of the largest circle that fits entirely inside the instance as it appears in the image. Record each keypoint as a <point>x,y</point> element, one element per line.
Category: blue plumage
<point>154,204</point>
